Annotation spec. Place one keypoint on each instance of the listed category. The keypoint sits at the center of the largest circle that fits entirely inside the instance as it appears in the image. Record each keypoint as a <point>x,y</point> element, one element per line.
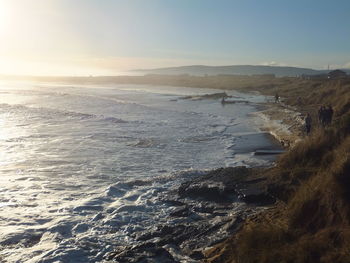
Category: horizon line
<point>150,69</point>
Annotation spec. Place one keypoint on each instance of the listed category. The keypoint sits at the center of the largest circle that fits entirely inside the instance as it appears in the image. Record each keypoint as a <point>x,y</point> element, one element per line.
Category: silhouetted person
<point>322,115</point>
<point>277,98</point>
<point>308,121</point>
<point>329,115</point>
<point>299,101</point>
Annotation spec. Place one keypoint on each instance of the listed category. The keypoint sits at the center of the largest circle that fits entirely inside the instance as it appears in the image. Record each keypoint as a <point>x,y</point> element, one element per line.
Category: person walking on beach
<point>277,98</point>
<point>308,121</point>
<point>223,100</point>
<point>299,101</point>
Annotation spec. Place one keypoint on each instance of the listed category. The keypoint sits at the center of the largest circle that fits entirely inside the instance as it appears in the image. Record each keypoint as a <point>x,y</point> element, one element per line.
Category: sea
<point>83,167</point>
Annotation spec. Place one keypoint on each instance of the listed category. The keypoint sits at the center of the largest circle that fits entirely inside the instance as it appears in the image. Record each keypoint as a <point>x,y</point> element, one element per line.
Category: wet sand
<point>281,121</point>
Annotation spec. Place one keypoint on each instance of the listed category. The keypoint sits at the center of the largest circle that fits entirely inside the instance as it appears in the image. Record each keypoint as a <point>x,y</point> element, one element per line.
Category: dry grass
<point>313,225</point>
<point>313,180</point>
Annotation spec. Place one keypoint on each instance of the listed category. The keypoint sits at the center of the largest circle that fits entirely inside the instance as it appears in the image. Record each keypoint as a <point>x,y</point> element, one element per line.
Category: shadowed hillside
<point>201,70</point>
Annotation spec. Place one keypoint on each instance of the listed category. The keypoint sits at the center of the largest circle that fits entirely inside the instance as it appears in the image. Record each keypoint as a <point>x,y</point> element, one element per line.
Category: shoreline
<point>289,181</point>
<point>205,204</point>
<point>282,122</point>
<point>219,201</point>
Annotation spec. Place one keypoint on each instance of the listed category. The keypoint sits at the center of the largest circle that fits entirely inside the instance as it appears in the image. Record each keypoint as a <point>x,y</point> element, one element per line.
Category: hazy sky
<point>81,37</point>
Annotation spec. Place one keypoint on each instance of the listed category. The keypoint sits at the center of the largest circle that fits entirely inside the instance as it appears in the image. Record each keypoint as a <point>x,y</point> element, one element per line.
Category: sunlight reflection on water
<point>87,165</point>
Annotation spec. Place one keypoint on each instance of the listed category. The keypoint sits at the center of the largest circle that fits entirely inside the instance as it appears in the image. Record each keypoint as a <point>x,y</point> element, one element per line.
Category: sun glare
<point>5,17</point>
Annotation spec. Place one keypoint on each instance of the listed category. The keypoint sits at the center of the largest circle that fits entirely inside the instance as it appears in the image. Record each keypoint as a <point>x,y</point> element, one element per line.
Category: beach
<point>283,122</point>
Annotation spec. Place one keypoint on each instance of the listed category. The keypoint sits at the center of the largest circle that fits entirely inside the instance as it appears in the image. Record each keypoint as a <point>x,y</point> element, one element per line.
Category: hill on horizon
<point>201,70</point>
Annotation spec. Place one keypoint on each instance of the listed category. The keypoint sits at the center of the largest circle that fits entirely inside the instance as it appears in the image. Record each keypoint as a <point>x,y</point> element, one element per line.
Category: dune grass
<point>312,222</point>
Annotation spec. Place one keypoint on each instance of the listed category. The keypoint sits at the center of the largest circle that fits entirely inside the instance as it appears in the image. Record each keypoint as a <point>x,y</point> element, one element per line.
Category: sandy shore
<point>281,121</point>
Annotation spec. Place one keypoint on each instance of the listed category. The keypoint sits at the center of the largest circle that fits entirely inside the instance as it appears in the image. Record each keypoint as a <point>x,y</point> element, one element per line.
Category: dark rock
<point>146,252</point>
<point>218,185</point>
<point>166,230</point>
<point>222,185</point>
<point>206,190</point>
<point>143,236</point>
<point>138,182</point>
<point>202,215</point>
<point>197,255</point>
<point>257,196</point>
<point>213,96</point>
<point>161,231</point>
<point>173,202</point>
<point>204,208</point>
<point>180,212</point>
<point>165,240</point>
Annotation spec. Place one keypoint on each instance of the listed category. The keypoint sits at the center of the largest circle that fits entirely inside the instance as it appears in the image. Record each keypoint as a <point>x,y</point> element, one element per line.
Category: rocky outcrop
<point>213,96</point>
<point>207,209</point>
<point>227,185</point>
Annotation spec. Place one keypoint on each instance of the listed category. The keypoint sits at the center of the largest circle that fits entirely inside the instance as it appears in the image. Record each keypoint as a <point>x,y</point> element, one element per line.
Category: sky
<point>109,37</point>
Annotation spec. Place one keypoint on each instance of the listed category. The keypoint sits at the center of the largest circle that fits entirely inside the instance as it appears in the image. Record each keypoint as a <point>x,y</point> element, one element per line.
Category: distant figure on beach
<point>223,100</point>
<point>329,115</point>
<point>325,115</point>
<point>299,101</point>
<point>277,98</point>
<point>308,121</point>
<point>321,115</point>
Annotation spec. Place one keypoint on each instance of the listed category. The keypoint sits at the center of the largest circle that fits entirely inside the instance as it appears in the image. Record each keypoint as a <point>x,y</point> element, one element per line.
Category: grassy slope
<point>312,221</point>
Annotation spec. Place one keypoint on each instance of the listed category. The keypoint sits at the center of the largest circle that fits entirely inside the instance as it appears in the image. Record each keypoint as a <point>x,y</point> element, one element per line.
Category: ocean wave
<point>98,174</point>
<point>113,120</point>
<point>50,113</point>
<point>148,143</point>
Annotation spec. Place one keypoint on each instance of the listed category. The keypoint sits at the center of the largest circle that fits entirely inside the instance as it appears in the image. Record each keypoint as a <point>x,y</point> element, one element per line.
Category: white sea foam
<point>84,168</point>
